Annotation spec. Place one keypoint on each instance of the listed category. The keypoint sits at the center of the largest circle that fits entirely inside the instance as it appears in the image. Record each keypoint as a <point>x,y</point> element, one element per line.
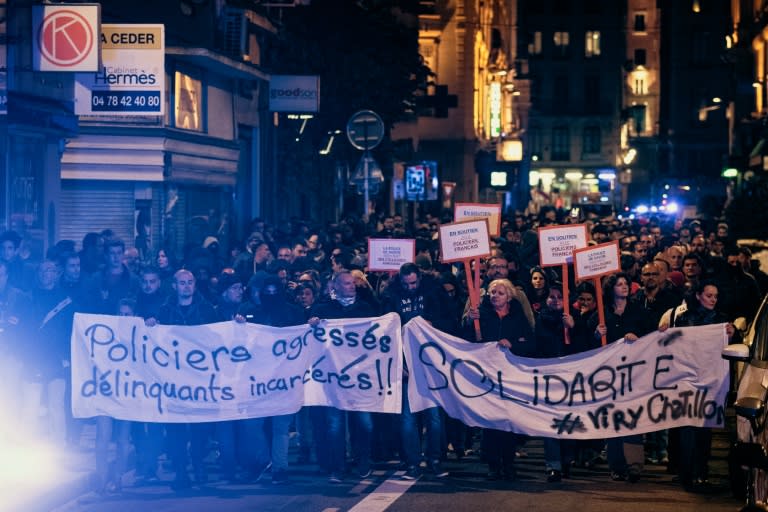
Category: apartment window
<point>560,92</point>
<point>535,144</point>
<point>561,40</point>
<point>187,102</point>
<point>591,143</point>
<point>592,43</point>
<point>637,113</point>
<point>561,7</point>
<point>701,48</point>
<point>639,25</point>
<point>536,87</point>
<point>639,87</point>
<point>639,57</point>
<point>534,43</point>
<point>592,7</point>
<point>592,94</point>
<point>560,144</point>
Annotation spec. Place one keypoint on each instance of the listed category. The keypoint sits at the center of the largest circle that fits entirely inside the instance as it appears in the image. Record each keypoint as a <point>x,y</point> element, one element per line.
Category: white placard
<point>475,211</point>
<point>557,243</point>
<point>596,261</point>
<point>464,240</point>
<point>389,254</point>
<point>131,80</point>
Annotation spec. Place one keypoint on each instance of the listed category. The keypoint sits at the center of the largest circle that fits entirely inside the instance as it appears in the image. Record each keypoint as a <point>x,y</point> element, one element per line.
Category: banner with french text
<point>663,380</point>
<point>230,371</point>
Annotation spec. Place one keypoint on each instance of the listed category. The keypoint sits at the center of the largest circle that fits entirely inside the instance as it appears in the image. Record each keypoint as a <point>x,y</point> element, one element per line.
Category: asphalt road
<point>465,489</point>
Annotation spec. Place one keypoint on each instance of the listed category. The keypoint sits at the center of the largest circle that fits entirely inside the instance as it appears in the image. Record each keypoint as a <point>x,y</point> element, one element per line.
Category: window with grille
<point>535,144</point>
<point>534,43</point>
<point>591,142</point>
<point>561,92</point>
<point>592,43</point>
<point>560,144</point>
<point>561,40</point>
<point>639,87</point>
<point>592,93</point>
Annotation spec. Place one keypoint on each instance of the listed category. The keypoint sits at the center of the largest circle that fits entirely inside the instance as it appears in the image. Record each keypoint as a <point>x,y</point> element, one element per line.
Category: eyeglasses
<point>497,267</point>
<point>649,274</point>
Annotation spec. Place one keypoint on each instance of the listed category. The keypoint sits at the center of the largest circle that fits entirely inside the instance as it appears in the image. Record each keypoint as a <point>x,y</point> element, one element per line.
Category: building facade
<point>167,180</point>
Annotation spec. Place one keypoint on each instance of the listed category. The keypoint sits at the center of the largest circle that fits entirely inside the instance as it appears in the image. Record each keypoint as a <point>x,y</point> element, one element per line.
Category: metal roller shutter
<point>96,205</point>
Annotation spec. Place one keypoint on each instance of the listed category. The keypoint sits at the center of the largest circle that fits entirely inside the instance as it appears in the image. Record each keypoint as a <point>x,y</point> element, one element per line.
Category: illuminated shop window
<point>188,102</point>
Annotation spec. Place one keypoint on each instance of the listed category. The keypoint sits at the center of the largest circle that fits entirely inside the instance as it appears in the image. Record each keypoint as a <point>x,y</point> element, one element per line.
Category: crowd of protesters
<point>304,274</point>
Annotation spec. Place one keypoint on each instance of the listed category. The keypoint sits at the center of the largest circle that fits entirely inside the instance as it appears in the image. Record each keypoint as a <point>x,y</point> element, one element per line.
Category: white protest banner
<point>663,380</point>
<point>477,211</point>
<point>229,371</point>
<point>389,254</point>
<point>596,261</point>
<point>557,243</point>
<point>464,241</point>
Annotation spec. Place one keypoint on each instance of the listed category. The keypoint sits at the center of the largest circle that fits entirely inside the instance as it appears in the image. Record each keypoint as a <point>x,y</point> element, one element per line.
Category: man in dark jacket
<point>329,419</point>
<point>410,295</point>
<point>148,437</point>
<point>186,307</point>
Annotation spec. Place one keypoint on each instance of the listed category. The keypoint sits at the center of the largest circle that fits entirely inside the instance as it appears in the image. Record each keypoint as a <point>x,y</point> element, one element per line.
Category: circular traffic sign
<point>365,130</point>
<point>65,38</point>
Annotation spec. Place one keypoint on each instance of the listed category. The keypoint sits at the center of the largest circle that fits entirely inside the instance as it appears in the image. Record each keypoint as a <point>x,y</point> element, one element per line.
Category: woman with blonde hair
<point>502,321</point>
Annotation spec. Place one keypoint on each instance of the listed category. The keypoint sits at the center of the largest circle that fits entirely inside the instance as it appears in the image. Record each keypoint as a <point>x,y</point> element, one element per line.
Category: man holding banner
<point>187,307</point>
<point>413,295</point>
<point>331,456</point>
<point>261,453</point>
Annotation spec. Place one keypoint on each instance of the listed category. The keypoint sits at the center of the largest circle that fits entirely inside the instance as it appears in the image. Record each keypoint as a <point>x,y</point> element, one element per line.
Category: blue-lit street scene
<point>383,255</point>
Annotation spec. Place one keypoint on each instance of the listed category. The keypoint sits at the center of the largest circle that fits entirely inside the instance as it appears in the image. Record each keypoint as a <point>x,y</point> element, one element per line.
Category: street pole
<point>366,211</point>
<point>365,170</point>
<point>372,133</point>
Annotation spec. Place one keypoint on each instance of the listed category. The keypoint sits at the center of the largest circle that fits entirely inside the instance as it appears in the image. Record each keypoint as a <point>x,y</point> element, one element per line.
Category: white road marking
<point>384,495</point>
